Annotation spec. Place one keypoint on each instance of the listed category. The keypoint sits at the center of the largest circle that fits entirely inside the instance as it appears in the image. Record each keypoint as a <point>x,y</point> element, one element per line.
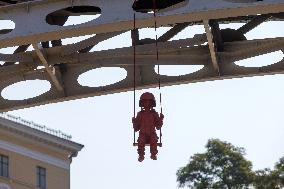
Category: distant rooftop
<point>36,126</point>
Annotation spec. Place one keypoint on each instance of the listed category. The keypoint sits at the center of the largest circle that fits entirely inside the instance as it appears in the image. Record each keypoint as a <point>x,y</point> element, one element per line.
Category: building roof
<point>40,133</point>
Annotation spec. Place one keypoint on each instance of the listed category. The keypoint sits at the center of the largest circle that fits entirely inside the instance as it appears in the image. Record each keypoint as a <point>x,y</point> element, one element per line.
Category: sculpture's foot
<point>141,158</point>
<point>153,157</point>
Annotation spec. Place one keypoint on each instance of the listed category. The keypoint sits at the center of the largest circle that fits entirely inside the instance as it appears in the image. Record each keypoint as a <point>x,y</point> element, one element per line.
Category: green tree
<point>268,179</point>
<point>221,166</point>
<point>279,170</point>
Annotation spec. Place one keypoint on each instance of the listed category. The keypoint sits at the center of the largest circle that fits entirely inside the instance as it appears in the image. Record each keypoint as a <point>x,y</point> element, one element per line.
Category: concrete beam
<point>233,51</point>
<point>36,30</point>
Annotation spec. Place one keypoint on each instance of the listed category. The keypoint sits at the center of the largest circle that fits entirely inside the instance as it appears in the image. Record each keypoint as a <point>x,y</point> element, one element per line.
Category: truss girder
<point>63,64</point>
<point>146,77</point>
<point>31,26</point>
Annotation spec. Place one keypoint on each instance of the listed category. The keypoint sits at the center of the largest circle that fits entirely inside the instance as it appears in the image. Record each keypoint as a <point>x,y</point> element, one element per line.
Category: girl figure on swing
<point>146,122</point>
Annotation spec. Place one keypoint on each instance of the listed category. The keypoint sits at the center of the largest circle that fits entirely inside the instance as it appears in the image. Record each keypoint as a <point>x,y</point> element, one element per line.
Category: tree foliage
<point>224,166</point>
<point>268,179</point>
<point>221,166</point>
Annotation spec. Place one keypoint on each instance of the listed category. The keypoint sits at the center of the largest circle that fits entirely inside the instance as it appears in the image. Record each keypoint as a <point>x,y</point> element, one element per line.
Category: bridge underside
<point>39,22</point>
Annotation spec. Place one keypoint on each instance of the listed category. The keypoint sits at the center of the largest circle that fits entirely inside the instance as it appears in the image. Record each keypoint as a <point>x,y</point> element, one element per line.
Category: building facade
<point>33,156</point>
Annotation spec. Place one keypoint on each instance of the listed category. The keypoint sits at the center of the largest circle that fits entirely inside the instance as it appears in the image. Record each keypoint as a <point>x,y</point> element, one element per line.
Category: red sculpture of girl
<point>146,122</point>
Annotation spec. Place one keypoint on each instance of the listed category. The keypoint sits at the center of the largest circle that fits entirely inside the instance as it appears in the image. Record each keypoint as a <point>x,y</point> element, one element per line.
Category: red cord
<point>157,53</point>
<point>134,66</point>
<point>134,71</point>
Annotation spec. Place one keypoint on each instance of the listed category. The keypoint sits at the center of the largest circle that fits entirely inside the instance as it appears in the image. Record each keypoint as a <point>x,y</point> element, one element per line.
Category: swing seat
<point>147,144</point>
<point>135,143</point>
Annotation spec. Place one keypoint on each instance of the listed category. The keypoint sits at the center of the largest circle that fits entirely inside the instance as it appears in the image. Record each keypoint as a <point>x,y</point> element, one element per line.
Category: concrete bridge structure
<point>41,22</point>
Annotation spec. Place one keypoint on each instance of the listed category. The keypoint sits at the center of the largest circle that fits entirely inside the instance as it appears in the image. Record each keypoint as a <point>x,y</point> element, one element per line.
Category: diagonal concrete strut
<point>49,70</point>
<point>211,46</point>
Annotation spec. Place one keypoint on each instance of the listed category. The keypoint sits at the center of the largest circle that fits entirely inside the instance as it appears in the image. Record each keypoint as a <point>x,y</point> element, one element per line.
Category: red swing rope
<point>157,57</point>
<point>157,52</point>
<point>134,66</point>
<point>134,70</point>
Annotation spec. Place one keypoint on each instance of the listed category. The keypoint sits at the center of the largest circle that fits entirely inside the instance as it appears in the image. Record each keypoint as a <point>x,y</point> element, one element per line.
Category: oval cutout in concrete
<point>73,40</point>
<point>118,41</point>
<point>267,30</point>
<point>8,50</point>
<point>189,32</point>
<point>26,89</point>
<point>73,15</point>
<point>150,33</point>
<point>147,6</point>
<point>75,20</point>
<point>6,26</point>
<point>102,76</point>
<point>261,60</point>
<point>178,70</point>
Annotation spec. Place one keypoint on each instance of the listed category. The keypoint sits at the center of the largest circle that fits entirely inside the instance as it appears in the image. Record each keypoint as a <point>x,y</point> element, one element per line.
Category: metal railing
<point>36,126</point>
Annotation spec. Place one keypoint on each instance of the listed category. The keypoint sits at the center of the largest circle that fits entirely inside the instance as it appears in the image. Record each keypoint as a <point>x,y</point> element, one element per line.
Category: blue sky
<point>246,112</point>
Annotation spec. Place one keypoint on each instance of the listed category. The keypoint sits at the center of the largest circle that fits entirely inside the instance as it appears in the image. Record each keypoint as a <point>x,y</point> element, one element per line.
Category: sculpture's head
<point>147,100</point>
